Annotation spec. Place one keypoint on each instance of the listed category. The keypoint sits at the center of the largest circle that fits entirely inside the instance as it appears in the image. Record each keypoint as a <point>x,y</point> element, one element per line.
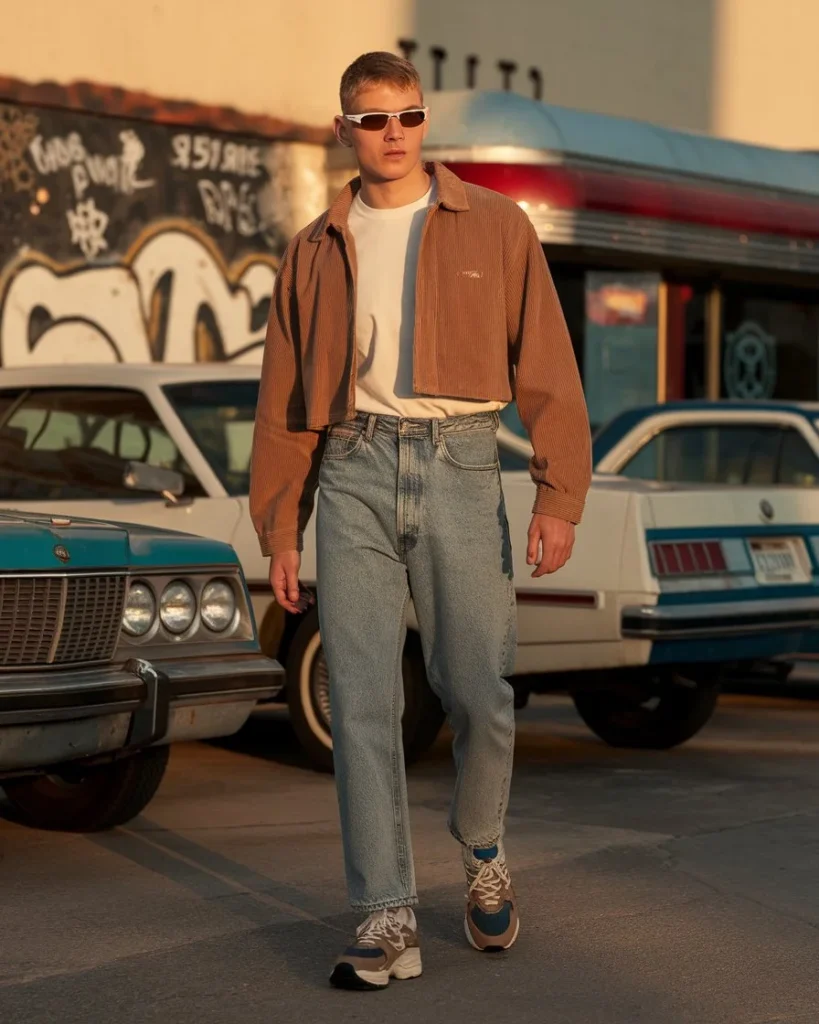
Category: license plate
<point>779,560</point>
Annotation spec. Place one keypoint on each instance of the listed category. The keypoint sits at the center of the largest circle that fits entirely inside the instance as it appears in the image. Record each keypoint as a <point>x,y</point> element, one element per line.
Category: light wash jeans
<point>414,507</point>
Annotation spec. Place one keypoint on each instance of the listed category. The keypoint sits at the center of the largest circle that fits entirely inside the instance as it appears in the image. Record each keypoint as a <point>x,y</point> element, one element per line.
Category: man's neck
<point>386,195</point>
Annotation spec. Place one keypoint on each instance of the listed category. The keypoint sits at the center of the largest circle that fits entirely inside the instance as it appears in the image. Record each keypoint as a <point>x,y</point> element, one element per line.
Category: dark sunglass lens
<point>374,122</point>
<point>412,118</point>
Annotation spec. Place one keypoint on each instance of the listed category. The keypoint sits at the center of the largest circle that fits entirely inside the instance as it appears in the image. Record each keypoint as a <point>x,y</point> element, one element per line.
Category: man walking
<point>402,321</point>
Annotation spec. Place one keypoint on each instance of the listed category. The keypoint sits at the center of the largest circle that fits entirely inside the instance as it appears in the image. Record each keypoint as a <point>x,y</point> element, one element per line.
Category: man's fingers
<point>553,559</point>
<point>292,586</point>
<point>284,579</point>
<point>281,594</point>
<point>556,537</point>
<point>532,546</point>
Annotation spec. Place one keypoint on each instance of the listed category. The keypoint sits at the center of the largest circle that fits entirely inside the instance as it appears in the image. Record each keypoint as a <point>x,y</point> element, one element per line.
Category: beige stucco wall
<point>278,57</point>
<point>741,68</point>
<point>766,75</point>
<point>649,59</point>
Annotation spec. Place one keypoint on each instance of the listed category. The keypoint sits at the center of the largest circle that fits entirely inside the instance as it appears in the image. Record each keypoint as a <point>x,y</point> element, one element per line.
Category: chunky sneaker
<point>385,946</point>
<point>491,922</point>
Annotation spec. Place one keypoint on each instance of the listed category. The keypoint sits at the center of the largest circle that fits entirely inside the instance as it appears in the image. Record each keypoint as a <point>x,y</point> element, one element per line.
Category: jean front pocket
<point>471,449</point>
<point>342,442</point>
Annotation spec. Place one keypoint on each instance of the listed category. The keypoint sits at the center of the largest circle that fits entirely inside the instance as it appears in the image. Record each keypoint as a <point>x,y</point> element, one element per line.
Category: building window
<point>620,342</point>
<point>770,343</point>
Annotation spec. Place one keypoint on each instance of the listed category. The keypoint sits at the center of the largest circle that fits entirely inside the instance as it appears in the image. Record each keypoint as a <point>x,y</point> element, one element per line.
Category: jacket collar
<point>451,194</point>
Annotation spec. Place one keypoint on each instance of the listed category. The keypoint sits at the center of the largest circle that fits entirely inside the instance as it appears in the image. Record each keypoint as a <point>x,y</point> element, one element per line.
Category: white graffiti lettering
<point>208,153</point>
<point>171,298</point>
<point>88,226</point>
<point>119,172</point>
<point>229,207</point>
<point>57,153</point>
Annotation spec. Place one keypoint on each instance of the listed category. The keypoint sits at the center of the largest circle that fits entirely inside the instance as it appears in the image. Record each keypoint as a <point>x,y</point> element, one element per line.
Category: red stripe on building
<point>630,194</point>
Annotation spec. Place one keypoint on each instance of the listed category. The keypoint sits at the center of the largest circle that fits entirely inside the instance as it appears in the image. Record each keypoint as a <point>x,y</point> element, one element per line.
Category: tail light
<point>688,558</point>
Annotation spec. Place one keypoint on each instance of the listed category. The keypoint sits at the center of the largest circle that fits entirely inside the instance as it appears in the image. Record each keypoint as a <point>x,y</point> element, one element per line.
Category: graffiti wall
<point>130,241</point>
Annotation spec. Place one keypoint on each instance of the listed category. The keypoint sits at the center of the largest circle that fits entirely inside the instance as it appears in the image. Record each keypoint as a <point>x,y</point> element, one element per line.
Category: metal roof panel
<point>473,118</point>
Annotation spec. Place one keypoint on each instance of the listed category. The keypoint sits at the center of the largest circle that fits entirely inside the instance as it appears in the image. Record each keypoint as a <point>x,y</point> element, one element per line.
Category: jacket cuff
<point>280,540</point>
<point>549,502</point>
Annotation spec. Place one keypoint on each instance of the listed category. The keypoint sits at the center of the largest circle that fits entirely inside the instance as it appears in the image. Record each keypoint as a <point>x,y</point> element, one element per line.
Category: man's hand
<point>284,579</point>
<point>550,544</point>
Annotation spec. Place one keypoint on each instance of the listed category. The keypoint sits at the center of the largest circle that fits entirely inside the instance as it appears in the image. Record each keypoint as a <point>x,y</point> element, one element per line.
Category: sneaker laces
<point>490,883</point>
<point>383,924</point>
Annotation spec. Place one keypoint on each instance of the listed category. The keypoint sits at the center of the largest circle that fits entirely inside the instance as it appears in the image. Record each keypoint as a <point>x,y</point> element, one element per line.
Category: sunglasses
<point>378,121</point>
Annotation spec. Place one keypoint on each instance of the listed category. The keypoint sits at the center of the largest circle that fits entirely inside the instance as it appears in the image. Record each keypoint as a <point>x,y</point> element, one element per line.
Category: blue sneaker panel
<point>488,854</point>
<point>492,924</point>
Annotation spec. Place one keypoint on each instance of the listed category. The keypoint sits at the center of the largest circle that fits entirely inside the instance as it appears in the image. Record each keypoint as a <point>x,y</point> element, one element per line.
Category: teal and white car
<point>115,641</point>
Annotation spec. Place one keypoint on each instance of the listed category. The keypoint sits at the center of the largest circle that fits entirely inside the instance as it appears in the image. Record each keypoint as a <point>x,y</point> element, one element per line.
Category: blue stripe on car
<point>747,647</point>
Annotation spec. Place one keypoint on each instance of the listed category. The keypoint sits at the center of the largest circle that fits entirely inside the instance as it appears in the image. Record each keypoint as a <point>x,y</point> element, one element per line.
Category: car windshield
<point>219,416</point>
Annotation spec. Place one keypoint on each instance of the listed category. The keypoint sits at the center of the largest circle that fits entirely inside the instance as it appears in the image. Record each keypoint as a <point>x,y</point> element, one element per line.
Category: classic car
<point>763,443</point>
<point>670,586</point>
<point>115,641</point>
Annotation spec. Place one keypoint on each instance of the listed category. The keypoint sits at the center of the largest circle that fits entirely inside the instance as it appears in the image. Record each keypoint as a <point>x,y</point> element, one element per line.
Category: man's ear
<point>341,130</point>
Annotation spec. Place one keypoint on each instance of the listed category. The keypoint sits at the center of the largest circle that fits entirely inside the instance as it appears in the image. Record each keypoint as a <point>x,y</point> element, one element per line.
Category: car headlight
<point>218,605</point>
<point>177,607</point>
<point>140,610</point>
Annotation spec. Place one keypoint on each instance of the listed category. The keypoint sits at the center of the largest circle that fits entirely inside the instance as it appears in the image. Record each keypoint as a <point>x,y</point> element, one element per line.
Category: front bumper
<point>714,620</point>
<point>82,693</point>
<point>50,717</point>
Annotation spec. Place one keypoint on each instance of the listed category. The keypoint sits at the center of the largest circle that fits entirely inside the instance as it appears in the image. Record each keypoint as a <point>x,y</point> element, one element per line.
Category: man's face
<point>389,154</point>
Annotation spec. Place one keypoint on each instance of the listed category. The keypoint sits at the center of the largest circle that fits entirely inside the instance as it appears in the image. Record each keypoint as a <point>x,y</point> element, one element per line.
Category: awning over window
<point>610,182</point>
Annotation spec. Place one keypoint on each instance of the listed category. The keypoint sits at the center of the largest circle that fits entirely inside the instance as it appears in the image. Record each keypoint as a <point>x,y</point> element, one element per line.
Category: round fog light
<point>218,605</point>
<point>140,610</point>
<point>177,607</point>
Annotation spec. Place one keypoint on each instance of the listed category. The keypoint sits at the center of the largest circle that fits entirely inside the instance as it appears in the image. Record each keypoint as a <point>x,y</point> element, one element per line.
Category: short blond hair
<point>375,69</point>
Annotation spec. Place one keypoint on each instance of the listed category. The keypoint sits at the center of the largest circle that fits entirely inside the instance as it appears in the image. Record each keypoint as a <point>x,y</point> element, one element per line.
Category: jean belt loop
<point>372,419</point>
<point>496,419</point>
<point>436,432</point>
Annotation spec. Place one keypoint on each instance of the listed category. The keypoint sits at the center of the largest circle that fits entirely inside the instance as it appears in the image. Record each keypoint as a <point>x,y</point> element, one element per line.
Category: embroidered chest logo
<point>473,274</point>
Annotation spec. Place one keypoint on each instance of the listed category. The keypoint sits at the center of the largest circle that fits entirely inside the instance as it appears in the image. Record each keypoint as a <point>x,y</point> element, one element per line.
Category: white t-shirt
<point>387,244</point>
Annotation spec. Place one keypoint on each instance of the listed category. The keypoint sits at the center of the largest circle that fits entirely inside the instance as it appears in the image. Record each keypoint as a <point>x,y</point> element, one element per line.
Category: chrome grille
<point>29,617</point>
<point>59,620</point>
<point>93,615</point>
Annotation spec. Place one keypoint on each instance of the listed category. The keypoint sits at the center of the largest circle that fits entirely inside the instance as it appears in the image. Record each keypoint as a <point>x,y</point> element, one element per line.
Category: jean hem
<point>397,901</point>
<point>477,844</point>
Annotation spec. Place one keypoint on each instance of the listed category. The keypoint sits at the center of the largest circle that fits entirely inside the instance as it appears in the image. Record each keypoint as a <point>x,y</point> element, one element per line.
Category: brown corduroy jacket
<point>488,326</point>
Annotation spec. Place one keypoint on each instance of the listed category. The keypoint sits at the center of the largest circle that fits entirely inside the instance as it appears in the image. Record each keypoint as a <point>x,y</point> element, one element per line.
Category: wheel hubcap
<point>320,686</point>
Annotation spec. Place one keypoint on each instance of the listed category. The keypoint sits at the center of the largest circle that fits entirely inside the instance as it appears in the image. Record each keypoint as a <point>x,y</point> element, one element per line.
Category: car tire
<point>651,717</point>
<point>89,798</point>
<point>308,697</point>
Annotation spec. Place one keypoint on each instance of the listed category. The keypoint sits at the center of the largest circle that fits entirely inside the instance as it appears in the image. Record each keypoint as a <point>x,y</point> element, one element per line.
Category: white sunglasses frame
<point>356,118</point>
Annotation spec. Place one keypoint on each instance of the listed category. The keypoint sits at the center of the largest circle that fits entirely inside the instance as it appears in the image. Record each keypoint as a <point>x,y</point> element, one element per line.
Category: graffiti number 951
<point>208,153</point>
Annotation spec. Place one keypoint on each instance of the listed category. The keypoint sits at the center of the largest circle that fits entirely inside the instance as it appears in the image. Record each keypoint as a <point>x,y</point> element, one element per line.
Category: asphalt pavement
<point>667,888</point>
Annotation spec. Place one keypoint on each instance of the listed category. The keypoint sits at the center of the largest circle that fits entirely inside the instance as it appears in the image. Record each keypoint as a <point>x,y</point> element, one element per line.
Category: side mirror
<point>139,476</point>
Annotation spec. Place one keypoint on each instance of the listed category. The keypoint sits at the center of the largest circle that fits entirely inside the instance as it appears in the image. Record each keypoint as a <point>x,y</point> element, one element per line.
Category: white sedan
<point>668,587</point>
